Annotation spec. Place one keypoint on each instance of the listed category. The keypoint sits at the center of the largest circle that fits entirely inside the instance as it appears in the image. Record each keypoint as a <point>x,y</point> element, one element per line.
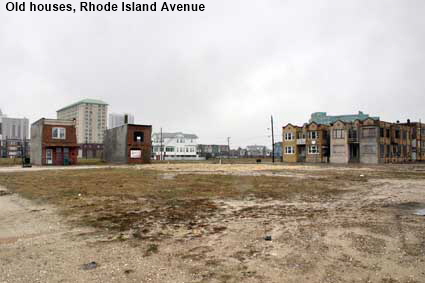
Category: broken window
<point>138,136</point>
<point>382,132</point>
<point>388,133</point>
<point>397,133</point>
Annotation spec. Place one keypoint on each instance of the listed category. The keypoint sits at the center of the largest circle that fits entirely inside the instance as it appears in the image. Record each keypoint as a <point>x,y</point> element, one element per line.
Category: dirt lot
<point>208,223</point>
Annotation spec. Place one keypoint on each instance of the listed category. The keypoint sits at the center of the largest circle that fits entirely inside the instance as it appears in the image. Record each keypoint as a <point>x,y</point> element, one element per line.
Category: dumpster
<point>26,162</point>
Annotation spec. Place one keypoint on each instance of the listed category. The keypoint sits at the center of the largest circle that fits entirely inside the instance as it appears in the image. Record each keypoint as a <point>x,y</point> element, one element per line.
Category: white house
<point>175,146</point>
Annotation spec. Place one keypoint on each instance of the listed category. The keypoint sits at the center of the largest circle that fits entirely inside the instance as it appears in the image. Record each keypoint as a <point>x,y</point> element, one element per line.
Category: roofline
<point>289,124</point>
<point>53,119</point>
<point>81,102</point>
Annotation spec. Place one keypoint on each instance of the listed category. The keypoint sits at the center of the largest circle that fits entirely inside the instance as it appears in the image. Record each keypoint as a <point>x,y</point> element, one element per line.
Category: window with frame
<point>382,132</point>
<point>313,149</point>
<point>289,136</point>
<point>338,134</point>
<point>58,133</point>
<point>289,150</point>
<point>313,135</point>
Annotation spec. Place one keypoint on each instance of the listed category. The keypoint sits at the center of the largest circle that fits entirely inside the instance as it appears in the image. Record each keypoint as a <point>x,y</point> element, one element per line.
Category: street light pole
<point>228,147</point>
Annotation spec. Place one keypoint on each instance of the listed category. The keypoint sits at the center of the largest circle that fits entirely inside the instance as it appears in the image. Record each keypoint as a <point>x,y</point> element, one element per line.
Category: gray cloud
<point>221,72</point>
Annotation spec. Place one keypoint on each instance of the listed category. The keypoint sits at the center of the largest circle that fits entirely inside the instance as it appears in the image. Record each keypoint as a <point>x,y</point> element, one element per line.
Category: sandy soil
<point>369,233</point>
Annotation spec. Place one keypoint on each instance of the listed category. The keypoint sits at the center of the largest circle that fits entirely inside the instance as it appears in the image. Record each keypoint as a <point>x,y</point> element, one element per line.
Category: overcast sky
<point>221,72</point>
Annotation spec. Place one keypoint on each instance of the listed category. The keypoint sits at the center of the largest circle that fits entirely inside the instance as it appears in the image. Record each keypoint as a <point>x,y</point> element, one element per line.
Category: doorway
<point>49,156</point>
<point>354,152</point>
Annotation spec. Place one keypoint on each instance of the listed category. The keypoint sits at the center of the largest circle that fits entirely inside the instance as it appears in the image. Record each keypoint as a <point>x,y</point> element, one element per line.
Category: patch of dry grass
<point>10,161</point>
<point>123,199</point>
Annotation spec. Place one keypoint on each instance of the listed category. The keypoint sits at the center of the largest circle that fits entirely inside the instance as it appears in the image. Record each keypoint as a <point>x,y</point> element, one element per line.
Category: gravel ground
<point>367,234</point>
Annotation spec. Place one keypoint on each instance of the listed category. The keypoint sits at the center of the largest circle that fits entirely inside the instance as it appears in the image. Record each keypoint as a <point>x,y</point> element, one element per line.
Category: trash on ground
<point>90,265</point>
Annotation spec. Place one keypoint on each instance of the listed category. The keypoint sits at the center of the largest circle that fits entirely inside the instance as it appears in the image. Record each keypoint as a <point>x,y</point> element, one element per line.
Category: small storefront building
<point>54,142</point>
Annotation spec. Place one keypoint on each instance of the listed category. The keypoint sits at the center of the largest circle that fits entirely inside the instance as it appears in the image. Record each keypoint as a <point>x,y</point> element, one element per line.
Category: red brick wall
<point>145,146</point>
<point>69,142</point>
<point>70,136</point>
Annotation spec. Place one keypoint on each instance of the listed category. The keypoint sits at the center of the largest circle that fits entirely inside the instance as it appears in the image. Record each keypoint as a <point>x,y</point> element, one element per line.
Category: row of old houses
<point>353,140</point>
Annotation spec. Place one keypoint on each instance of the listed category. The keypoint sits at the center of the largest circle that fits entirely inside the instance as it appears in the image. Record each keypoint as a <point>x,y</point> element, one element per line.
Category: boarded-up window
<point>338,134</point>
<point>369,132</point>
<point>369,149</point>
<point>135,153</point>
<point>338,149</point>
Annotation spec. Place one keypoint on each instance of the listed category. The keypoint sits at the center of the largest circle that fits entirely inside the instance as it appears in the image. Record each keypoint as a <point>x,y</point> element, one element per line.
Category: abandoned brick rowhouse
<point>129,143</point>
<point>53,142</point>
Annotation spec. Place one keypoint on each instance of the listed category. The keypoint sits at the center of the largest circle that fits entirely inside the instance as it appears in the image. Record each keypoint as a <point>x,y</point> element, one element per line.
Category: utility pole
<point>228,147</point>
<point>160,147</point>
<point>419,146</point>
<point>272,138</point>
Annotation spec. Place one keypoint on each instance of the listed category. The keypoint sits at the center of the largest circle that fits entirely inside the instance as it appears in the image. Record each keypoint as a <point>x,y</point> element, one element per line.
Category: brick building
<point>53,142</point>
<point>309,143</point>
<point>129,143</point>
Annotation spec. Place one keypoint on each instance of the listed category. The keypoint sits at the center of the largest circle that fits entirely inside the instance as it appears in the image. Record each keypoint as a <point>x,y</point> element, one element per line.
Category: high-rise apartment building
<point>90,121</point>
<point>13,128</point>
<point>117,120</point>
<point>90,116</point>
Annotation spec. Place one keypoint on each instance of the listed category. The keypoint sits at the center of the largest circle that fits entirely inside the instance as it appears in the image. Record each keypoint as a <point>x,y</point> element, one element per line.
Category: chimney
<point>125,119</point>
<point>408,121</point>
<point>398,122</point>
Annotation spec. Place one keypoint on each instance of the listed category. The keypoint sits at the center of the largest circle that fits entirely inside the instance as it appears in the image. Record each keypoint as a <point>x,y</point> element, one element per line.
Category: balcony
<point>300,141</point>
